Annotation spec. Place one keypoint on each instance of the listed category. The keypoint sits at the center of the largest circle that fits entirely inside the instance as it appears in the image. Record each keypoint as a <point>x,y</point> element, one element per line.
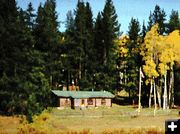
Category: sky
<point>125,9</point>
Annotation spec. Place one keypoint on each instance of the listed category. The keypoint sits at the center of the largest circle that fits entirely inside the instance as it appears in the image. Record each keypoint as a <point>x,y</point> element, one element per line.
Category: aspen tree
<point>149,51</point>
<point>171,54</point>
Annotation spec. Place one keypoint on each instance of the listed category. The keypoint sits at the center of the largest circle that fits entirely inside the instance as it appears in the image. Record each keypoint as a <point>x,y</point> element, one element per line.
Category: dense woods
<point>36,57</point>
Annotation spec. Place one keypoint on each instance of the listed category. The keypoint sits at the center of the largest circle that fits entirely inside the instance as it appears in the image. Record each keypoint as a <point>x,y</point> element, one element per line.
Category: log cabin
<point>83,99</point>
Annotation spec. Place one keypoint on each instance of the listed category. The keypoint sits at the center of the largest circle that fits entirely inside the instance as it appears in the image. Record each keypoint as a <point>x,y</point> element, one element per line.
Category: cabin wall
<point>98,102</point>
<point>108,102</point>
<point>77,102</point>
<point>90,102</point>
<point>103,102</point>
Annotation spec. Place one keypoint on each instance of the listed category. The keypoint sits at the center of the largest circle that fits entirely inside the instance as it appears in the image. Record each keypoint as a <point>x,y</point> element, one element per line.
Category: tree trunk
<point>125,76</point>
<point>67,80</point>
<point>80,67</point>
<point>105,56</point>
<point>171,88</point>
<point>155,104</point>
<point>51,81</point>
<point>139,103</point>
<point>150,94</point>
<point>172,97</point>
<point>160,91</point>
<point>165,93</point>
<point>159,97</point>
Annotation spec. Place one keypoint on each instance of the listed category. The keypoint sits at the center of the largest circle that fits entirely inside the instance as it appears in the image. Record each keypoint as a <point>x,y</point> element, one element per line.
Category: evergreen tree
<point>9,50</point>
<point>134,29</point>
<point>143,32</point>
<point>106,31</point>
<point>110,30</point>
<point>98,41</point>
<point>30,16</point>
<point>84,44</point>
<point>89,41</point>
<point>16,80</point>
<point>174,21</point>
<point>80,29</point>
<point>69,57</point>
<point>158,16</point>
<point>47,39</point>
<point>8,24</point>
<point>150,22</point>
<point>134,59</point>
<point>69,21</point>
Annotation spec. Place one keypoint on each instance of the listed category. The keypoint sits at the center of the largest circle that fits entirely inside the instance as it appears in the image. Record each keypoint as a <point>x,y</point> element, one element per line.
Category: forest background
<point>93,54</point>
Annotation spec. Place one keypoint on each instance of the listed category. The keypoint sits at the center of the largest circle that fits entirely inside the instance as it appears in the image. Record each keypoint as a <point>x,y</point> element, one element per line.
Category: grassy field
<point>9,125</point>
<point>118,119</point>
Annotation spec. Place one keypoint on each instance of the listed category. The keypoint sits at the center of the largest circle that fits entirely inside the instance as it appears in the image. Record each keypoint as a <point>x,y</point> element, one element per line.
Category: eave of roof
<point>83,94</point>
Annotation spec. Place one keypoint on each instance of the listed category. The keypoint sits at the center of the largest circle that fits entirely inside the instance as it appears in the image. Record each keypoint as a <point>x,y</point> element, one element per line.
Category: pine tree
<point>98,41</point>
<point>69,57</point>
<point>174,21</point>
<point>14,67</point>
<point>84,43</point>
<point>106,31</point>
<point>30,16</point>
<point>9,50</point>
<point>158,16</point>
<point>80,29</point>
<point>69,21</point>
<point>89,41</point>
<point>150,22</point>
<point>47,39</point>
<point>143,32</point>
<point>134,59</point>
<point>110,30</point>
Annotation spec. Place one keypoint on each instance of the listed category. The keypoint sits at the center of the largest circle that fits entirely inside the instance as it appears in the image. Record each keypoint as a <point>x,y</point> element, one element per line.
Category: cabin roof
<point>83,94</point>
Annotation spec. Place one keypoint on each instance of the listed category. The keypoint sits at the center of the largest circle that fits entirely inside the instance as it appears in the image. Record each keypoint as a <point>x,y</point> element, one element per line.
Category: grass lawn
<point>117,117</point>
<point>95,120</point>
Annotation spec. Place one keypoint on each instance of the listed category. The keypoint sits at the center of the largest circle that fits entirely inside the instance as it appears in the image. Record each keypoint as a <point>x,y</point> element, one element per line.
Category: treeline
<point>36,57</point>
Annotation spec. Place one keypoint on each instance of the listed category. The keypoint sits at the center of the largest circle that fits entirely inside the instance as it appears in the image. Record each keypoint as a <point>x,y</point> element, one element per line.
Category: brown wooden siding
<point>90,102</point>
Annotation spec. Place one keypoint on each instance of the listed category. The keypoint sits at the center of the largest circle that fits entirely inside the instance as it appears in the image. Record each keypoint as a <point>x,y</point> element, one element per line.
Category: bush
<point>37,126</point>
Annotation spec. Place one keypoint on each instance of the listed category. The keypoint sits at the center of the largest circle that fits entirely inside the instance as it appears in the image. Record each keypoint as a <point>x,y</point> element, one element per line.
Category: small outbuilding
<point>75,99</point>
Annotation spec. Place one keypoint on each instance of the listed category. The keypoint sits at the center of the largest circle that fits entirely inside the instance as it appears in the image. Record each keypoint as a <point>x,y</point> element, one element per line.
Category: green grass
<point>114,120</point>
<point>117,117</point>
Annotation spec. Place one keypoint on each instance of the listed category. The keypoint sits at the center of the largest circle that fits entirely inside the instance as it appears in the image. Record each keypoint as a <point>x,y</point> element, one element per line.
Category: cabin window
<point>90,101</point>
<point>103,101</point>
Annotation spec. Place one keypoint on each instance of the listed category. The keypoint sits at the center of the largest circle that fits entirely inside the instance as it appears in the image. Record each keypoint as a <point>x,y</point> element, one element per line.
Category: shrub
<point>37,126</point>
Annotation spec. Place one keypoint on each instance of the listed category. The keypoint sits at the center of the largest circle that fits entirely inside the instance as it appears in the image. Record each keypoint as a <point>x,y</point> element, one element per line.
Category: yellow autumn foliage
<point>162,68</point>
<point>150,50</point>
<point>173,40</point>
<point>122,49</point>
<point>150,69</point>
<point>160,52</point>
<point>170,51</point>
